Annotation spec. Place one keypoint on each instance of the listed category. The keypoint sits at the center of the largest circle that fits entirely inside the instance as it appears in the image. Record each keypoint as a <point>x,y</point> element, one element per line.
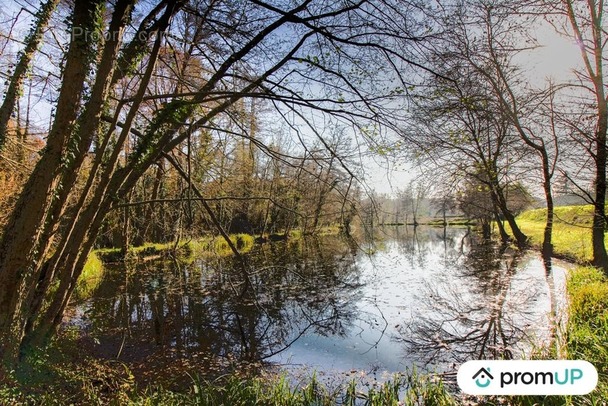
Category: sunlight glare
<point>557,56</point>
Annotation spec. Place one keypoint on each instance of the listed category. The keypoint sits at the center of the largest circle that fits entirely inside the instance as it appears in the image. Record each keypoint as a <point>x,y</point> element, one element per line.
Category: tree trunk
<point>28,221</point>
<point>547,250</point>
<point>504,237</point>
<point>600,258</point>
<point>520,238</point>
<point>593,56</point>
<point>58,174</point>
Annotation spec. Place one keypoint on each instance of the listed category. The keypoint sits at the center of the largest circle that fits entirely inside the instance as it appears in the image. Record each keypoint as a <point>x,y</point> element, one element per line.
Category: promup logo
<point>483,378</point>
<point>527,377</point>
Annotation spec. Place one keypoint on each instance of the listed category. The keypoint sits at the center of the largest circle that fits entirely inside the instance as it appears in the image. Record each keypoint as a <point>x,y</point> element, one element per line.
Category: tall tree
<point>478,51</point>
<point>584,21</point>
<point>462,132</point>
<point>520,105</point>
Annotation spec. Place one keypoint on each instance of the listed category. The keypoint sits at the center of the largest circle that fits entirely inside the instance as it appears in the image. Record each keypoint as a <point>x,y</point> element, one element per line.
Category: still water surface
<point>430,298</point>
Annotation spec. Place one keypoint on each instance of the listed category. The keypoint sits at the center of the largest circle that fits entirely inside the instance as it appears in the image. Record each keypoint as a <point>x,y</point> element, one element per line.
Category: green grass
<point>231,390</point>
<point>90,278</point>
<point>201,247</point>
<point>581,216</point>
<point>588,326</point>
<point>571,230</point>
<point>278,391</point>
<point>216,245</point>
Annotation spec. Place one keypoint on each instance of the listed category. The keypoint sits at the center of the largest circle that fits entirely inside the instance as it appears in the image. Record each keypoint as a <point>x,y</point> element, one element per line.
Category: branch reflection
<point>481,314</point>
<point>191,308</point>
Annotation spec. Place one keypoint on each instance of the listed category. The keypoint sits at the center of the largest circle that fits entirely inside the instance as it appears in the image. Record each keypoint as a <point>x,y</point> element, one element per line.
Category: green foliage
<point>428,390</point>
<point>588,327</point>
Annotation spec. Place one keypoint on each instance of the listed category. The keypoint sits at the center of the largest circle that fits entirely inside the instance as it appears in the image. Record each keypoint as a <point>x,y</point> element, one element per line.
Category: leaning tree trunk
<point>106,184</point>
<point>504,237</point>
<point>501,202</point>
<point>25,267</point>
<point>23,247</point>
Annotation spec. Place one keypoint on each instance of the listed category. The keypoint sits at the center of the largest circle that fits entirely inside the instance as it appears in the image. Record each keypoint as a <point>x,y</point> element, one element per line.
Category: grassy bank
<point>571,230</point>
<point>90,278</point>
<point>64,374</point>
<point>201,247</point>
<point>587,332</point>
<point>402,390</point>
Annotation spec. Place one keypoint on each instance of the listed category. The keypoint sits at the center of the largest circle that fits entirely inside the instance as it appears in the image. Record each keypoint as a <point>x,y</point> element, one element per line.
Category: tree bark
<point>600,257</point>
<point>21,248</point>
<point>547,250</point>
<point>78,238</point>
<point>504,237</point>
<point>520,238</point>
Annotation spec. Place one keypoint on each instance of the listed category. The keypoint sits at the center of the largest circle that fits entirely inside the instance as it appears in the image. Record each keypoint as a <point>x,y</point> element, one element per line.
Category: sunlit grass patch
<point>571,230</point>
<point>569,215</point>
<point>568,240</point>
<point>142,251</point>
<point>218,246</point>
<point>90,278</point>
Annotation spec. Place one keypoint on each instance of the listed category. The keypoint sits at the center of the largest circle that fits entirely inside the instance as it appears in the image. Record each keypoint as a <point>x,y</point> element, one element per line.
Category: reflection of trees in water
<point>417,243</point>
<point>295,288</point>
<point>472,319</point>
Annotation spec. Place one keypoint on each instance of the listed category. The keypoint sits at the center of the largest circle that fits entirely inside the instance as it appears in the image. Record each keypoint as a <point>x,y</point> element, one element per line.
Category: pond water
<point>431,298</point>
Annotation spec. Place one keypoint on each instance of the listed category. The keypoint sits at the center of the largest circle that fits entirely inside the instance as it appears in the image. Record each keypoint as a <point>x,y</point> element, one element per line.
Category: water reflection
<point>295,289</point>
<point>423,296</point>
<point>492,304</point>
